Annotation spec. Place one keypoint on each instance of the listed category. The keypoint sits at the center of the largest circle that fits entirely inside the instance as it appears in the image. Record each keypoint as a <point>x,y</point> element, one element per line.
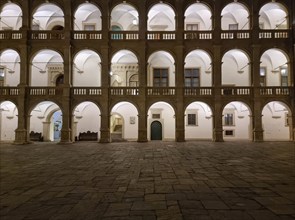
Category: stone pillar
<point>105,16</point>
<point>23,127</point>
<point>257,112</point>
<point>179,20</point>
<point>105,136</point>
<point>142,20</point>
<point>66,136</point>
<point>179,111</point>
<point>46,131</point>
<point>142,123</point>
<point>257,122</point>
<point>217,83</point>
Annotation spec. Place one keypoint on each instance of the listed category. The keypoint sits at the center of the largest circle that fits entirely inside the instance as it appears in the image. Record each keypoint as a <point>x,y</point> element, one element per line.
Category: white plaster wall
<point>37,78</point>
<point>241,126</point>
<point>273,78</point>
<point>127,110</point>
<point>230,75</point>
<point>91,75</point>
<point>273,122</point>
<point>80,19</point>
<point>167,120</point>
<point>203,130</point>
<point>90,120</point>
<point>12,79</point>
<point>8,122</point>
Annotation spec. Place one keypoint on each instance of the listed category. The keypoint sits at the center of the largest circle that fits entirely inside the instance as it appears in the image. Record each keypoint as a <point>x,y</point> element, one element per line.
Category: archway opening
<point>9,68</point>
<point>163,113</point>
<point>235,16</point>
<point>11,17</point>
<point>124,122</point>
<point>161,17</point>
<point>8,121</point>
<point>87,18</point>
<point>156,131</point>
<point>276,122</point>
<point>124,17</point>
<point>86,122</point>
<point>46,122</point>
<point>236,122</point>
<point>198,122</point>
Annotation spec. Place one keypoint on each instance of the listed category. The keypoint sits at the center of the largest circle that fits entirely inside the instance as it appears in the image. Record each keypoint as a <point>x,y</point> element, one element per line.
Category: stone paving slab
<point>154,180</point>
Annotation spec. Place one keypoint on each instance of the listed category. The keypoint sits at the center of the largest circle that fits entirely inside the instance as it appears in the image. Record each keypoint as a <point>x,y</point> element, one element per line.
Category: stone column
<point>46,131</point>
<point>105,136</point>
<point>179,20</point>
<point>66,136</point>
<point>22,131</point>
<point>142,111</point>
<point>217,83</point>
<point>257,122</point>
<point>179,79</point>
<point>257,112</point>
<point>142,20</point>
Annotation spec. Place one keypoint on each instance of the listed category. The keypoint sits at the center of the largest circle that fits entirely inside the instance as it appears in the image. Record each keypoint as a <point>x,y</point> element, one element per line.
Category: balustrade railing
<point>163,91</point>
<point>277,34</point>
<point>124,35</point>
<point>11,35</point>
<point>237,34</point>
<point>198,91</point>
<point>123,91</point>
<point>87,35</point>
<point>160,35</point>
<point>240,91</point>
<point>198,35</point>
<point>45,91</point>
<point>47,35</point>
<point>82,91</point>
<point>9,91</point>
<point>277,91</point>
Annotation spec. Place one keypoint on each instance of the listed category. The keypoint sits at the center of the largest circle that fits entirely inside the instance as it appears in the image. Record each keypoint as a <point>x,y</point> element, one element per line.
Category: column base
<point>258,135</point>
<point>105,136</point>
<point>218,135</point>
<point>142,136</point>
<point>180,135</point>
<point>21,137</point>
<point>65,136</point>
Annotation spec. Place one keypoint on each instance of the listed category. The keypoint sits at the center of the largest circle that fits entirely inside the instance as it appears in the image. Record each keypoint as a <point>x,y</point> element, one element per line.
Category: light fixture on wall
<point>78,70</point>
<point>242,69</point>
<point>135,21</point>
<point>277,69</point>
<point>40,70</point>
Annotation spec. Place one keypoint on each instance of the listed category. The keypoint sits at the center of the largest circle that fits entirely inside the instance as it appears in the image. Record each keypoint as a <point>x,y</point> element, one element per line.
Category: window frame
<point>191,77</point>
<point>160,84</point>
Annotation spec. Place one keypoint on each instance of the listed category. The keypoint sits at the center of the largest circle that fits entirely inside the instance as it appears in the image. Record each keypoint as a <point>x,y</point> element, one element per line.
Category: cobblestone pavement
<point>155,180</point>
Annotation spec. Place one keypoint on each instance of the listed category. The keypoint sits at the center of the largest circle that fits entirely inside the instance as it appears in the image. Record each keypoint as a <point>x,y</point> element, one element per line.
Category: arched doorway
<point>156,130</point>
<point>277,122</point>
<point>46,122</point>
<point>124,122</point>
<point>8,121</point>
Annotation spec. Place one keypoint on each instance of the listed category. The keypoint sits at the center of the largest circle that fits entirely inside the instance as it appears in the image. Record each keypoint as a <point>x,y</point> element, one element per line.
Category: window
<point>192,119</point>
<point>229,119</point>
<point>89,27</point>
<point>156,116</point>
<point>192,27</point>
<point>233,26</point>
<point>229,133</point>
<point>192,77</point>
<point>133,80</point>
<point>262,76</point>
<point>160,77</point>
<point>284,76</point>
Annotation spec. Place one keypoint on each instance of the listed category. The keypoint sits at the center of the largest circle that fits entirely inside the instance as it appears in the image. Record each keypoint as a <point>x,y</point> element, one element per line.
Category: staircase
<point>116,135</point>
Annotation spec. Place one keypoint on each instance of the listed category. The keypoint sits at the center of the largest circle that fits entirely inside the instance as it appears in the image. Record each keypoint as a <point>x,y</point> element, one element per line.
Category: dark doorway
<point>59,80</point>
<point>57,28</point>
<point>156,130</point>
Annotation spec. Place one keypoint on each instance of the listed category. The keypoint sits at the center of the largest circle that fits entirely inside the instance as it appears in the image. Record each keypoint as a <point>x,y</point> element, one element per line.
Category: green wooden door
<point>156,130</point>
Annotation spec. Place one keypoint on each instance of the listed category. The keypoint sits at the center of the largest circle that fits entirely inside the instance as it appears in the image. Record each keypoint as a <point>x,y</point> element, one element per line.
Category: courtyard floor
<point>154,180</point>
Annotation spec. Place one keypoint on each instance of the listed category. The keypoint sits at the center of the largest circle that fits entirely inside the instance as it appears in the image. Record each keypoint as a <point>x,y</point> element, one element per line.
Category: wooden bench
<point>36,136</point>
<point>88,136</point>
